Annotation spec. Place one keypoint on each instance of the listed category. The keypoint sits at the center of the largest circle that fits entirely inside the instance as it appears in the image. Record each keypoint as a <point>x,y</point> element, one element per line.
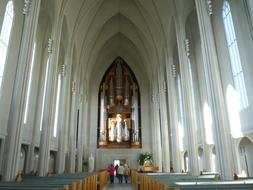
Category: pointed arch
<point>119,108</point>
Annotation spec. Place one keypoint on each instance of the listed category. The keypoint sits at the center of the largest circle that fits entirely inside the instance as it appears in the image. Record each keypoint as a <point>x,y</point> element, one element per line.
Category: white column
<point>164,124</point>
<point>157,146</point>
<point>73,126</point>
<point>173,112</point>
<point>46,130</point>
<point>190,114</point>
<point>15,122</point>
<point>80,135</point>
<point>47,120</point>
<point>236,155</point>
<point>29,159</point>
<point>62,127</point>
<point>214,89</point>
<point>85,127</point>
<point>207,157</point>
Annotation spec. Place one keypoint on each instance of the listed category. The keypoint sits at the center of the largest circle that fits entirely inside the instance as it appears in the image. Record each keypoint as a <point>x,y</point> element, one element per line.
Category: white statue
<point>91,163</point>
<point>119,128</point>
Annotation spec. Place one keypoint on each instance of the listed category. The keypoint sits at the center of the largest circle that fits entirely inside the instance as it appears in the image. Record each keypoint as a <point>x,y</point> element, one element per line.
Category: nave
<point>106,80</point>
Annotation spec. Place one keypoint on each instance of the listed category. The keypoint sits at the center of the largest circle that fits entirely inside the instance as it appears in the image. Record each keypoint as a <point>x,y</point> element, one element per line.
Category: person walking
<point>126,172</point>
<point>120,173</point>
<point>116,169</point>
<point>111,171</point>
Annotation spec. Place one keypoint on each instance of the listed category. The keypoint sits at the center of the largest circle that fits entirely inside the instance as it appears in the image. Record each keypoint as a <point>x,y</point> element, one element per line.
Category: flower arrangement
<point>145,159</point>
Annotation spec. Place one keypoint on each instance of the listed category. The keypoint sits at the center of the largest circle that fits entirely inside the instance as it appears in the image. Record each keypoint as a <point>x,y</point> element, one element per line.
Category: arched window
<point>119,125</point>
<point>5,37</point>
<point>235,60</point>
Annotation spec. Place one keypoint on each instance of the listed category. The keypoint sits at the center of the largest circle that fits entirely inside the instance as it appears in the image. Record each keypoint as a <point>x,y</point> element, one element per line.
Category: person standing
<point>126,172</point>
<point>120,173</point>
<point>111,171</point>
<point>116,168</point>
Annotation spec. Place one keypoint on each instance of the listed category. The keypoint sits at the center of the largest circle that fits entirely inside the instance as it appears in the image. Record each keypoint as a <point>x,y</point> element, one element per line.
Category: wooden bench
<point>168,181</point>
<point>80,181</point>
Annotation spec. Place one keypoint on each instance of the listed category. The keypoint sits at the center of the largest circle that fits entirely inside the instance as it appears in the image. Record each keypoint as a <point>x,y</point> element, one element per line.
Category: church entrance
<point>118,162</point>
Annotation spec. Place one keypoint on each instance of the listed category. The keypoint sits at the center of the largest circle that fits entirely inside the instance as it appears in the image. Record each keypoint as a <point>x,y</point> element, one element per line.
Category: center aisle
<point>118,186</point>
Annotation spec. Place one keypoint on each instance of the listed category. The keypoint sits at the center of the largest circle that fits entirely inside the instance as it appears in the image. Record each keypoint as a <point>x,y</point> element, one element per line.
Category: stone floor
<point>118,186</point>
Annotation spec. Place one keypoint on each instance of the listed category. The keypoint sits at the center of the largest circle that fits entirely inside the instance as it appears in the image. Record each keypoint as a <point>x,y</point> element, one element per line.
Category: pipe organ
<point>119,107</point>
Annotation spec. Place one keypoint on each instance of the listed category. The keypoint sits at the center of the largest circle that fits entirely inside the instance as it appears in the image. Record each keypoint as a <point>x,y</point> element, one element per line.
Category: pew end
<point>66,187</point>
<point>19,178</point>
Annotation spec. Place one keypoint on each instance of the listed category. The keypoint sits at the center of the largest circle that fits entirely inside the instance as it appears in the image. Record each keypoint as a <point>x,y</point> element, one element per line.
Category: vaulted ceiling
<point>102,30</point>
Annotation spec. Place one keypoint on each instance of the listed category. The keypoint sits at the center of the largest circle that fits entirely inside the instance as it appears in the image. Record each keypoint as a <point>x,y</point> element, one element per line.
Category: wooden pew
<point>61,182</point>
<point>103,178</point>
<point>184,182</point>
<point>134,178</point>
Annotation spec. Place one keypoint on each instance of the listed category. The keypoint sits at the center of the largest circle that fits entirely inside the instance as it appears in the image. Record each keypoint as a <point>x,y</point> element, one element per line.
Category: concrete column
<point>173,113</point>
<point>15,122</point>
<point>153,130</point>
<point>72,134</point>
<point>189,112</point>
<point>164,124</point>
<point>236,155</point>
<point>214,89</point>
<point>85,128</point>
<point>62,127</point>
<point>53,51</point>
<point>207,156</point>
<point>80,135</point>
<point>156,131</point>
<point>29,160</point>
<point>45,138</point>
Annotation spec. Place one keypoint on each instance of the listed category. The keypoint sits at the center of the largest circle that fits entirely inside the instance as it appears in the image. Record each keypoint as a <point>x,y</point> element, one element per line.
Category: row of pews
<point>75,181</point>
<point>173,181</point>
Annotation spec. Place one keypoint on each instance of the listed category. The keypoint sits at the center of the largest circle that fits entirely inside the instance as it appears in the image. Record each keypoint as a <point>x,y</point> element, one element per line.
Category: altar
<point>150,169</point>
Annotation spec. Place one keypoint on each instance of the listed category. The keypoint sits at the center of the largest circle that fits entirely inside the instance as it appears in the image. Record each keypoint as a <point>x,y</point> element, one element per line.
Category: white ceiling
<point>101,30</point>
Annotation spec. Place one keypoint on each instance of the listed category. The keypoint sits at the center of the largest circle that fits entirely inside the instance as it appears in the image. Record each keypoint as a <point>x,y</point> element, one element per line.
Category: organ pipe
<point>119,81</point>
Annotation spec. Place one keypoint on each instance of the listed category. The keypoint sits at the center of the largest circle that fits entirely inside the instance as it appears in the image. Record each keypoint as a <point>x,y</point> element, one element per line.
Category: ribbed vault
<point>105,29</point>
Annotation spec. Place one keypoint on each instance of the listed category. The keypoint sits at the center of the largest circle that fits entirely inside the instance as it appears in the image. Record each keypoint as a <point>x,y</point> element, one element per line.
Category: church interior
<point>115,79</point>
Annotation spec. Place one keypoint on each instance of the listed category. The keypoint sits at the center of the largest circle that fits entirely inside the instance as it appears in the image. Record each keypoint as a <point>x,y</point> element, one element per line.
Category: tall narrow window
<point>29,85</point>
<point>44,94</point>
<point>5,37</point>
<point>235,60</point>
<point>181,114</point>
<point>57,105</point>
<point>192,86</point>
